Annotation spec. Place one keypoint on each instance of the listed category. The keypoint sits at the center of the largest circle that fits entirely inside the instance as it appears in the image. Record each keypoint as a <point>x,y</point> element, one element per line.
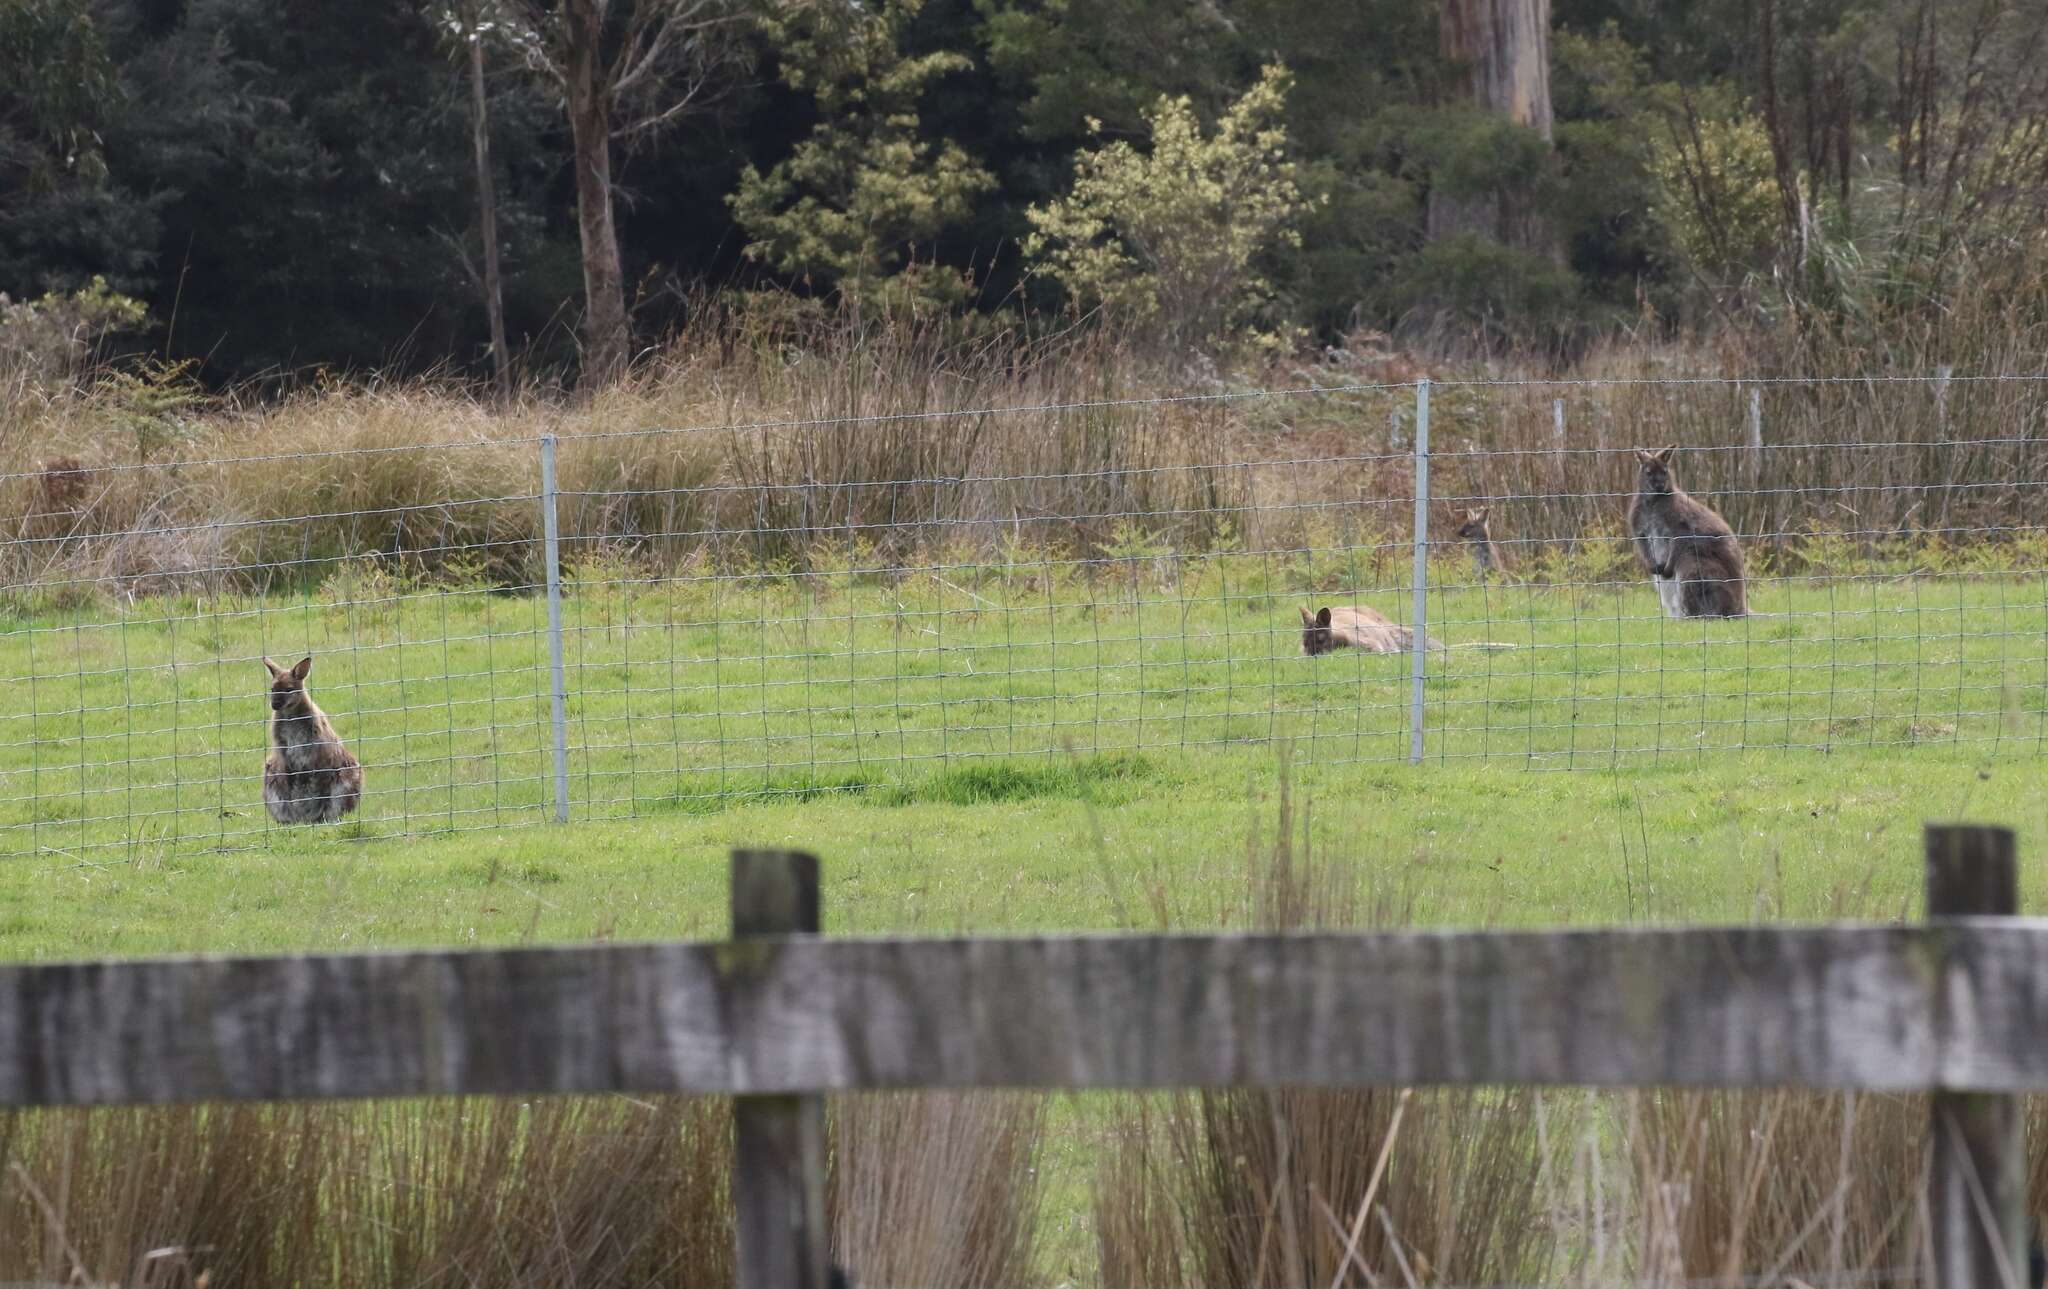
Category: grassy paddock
<point>1092,1190</point>
<point>1020,745</point>
<point>1734,837</point>
<point>142,731</point>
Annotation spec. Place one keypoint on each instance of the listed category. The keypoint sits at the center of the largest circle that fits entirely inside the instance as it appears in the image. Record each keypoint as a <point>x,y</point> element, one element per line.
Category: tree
<point>624,70</point>
<point>1167,241</point>
<point>57,86</point>
<point>863,187</point>
<point>59,222</point>
<point>468,26</point>
<point>290,164</point>
<point>1498,52</point>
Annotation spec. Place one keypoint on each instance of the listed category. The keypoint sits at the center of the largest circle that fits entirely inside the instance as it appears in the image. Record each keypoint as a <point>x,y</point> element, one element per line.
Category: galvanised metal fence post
<point>558,685</point>
<point>1419,649</point>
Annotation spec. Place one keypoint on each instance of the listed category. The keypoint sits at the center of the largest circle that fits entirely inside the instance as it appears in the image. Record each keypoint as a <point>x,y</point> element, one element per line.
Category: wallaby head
<point>1315,632</point>
<point>1655,475</point>
<point>288,687</point>
<point>1473,528</point>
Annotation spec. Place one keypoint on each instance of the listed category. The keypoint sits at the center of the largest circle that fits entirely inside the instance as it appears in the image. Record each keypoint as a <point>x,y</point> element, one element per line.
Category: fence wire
<point>871,605</point>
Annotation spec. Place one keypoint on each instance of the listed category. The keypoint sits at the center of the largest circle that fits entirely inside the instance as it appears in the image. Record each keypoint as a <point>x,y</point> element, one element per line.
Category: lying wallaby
<point>1690,551</point>
<point>310,778</point>
<point>1485,552</point>
<point>1354,628</point>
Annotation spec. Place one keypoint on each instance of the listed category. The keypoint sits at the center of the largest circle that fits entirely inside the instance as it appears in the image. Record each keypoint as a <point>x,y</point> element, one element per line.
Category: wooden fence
<point>1956,1005</point>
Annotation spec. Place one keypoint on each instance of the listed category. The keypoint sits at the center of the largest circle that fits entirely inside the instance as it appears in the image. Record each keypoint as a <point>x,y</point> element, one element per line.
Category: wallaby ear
<point>1484,512</point>
<point>303,666</point>
<point>1664,457</point>
<point>1307,619</point>
<point>1645,457</point>
<point>275,670</point>
<point>1323,617</point>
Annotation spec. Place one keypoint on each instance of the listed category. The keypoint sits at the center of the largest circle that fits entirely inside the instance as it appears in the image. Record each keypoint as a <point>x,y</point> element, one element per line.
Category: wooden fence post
<point>1977,1184</point>
<point>778,1141</point>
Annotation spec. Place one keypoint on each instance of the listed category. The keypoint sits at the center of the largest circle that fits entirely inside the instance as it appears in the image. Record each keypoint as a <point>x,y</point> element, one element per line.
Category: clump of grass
<point>1104,780</point>
<point>1107,779</point>
<point>609,1191</point>
<point>1776,1183</point>
<point>548,1192</point>
<point>938,1189</point>
<point>785,787</point>
<point>1280,1188</point>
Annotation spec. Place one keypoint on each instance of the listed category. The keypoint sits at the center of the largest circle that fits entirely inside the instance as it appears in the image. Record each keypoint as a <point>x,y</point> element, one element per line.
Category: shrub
<point>1168,241</point>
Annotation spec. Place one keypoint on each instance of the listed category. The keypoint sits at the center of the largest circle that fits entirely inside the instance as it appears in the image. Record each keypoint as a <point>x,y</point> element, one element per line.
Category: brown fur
<point>1356,627</point>
<point>309,778</point>
<point>1486,553</point>
<point>63,483</point>
<point>1689,550</point>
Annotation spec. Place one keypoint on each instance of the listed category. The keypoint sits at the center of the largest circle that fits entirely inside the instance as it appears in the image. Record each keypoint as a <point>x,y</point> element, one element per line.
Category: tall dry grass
<point>853,432</point>
<point>589,1192</point>
<point>757,435</point>
<point>1258,1188</point>
<point>1825,1187</point>
<point>458,1192</point>
<point>937,1189</point>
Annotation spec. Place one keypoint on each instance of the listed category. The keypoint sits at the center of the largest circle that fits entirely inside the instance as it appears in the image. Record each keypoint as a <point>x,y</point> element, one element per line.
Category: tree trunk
<point>1499,52</point>
<point>487,208</point>
<point>590,124</point>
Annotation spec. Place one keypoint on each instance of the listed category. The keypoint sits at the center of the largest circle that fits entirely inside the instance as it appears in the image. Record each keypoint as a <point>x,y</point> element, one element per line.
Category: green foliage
<point>1099,60</point>
<point>1503,290</point>
<point>48,341</point>
<point>148,404</point>
<point>1717,189</point>
<point>1602,200</point>
<point>57,87</point>
<point>1133,549</point>
<point>1468,153</point>
<point>1167,241</point>
<point>856,196</point>
<point>286,194</point>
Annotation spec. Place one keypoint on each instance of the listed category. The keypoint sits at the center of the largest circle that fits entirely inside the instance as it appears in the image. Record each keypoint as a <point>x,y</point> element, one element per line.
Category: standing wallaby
<point>1354,628</point>
<point>1486,553</point>
<point>310,778</point>
<point>1690,551</point>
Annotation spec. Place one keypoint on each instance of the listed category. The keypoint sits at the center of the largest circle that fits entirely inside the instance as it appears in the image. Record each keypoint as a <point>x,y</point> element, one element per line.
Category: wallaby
<point>1691,552</point>
<point>1486,553</point>
<point>1354,628</point>
<point>309,778</point>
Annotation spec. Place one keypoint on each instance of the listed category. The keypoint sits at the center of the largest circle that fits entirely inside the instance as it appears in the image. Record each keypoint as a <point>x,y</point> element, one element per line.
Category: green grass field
<point>1003,749</point>
<point>1006,753</point>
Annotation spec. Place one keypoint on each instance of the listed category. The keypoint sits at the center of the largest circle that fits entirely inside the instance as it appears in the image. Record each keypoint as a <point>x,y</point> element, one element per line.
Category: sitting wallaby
<point>1486,553</point>
<point>1354,628</point>
<point>309,778</point>
<point>1691,552</point>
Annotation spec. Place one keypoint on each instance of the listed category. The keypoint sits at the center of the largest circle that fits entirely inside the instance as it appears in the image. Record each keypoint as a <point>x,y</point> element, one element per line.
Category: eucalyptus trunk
<point>487,206</point>
<point>590,125</point>
<point>1499,55</point>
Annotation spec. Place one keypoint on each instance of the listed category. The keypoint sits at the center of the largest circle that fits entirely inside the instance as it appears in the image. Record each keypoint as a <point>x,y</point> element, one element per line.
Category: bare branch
<point>680,46</point>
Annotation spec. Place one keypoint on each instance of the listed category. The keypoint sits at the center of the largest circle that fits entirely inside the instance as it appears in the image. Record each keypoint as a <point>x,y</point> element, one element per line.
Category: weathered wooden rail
<point>1956,1005</point>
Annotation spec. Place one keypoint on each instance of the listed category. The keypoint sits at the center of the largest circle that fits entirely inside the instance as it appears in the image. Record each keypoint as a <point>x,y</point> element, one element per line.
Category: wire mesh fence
<point>856,604</point>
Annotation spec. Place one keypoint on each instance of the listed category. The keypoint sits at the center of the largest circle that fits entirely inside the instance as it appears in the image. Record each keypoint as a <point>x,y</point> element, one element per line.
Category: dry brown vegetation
<point>433,1193</point>
<point>751,441</point>
<point>928,1190</point>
